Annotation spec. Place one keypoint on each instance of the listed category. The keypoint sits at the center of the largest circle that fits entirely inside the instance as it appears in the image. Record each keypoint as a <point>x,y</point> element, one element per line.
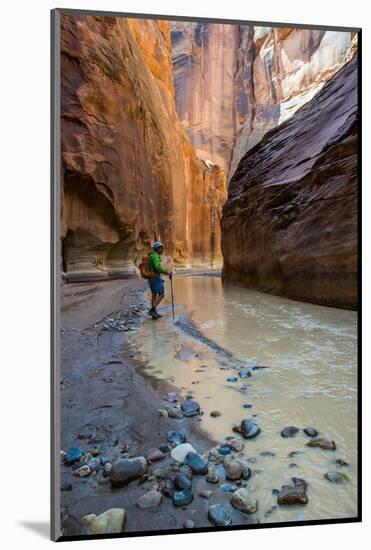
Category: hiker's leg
<point>159,298</point>
<point>154,300</point>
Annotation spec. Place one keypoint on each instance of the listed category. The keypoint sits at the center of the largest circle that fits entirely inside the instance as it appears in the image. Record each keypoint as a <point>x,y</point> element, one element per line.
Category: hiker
<point>156,284</point>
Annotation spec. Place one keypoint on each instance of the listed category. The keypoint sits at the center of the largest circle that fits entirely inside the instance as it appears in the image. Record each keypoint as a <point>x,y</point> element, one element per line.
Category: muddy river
<point>311,380</point>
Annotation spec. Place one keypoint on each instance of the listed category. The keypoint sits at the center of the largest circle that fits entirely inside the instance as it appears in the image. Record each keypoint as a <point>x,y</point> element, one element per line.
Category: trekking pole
<point>172,294</point>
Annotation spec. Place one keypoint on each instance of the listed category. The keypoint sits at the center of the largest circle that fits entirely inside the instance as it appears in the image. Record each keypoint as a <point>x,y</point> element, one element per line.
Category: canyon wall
<point>233,83</point>
<point>289,225</point>
<point>129,172</point>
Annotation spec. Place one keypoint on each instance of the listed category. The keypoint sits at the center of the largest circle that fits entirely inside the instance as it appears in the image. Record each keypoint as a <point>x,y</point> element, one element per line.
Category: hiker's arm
<point>156,262</point>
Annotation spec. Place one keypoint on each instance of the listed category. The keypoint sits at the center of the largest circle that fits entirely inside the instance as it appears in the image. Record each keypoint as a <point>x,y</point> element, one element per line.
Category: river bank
<point>110,407</point>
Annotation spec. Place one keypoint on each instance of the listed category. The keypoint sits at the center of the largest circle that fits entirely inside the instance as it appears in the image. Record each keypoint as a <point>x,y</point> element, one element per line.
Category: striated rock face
<point>233,83</point>
<point>129,173</point>
<point>289,225</point>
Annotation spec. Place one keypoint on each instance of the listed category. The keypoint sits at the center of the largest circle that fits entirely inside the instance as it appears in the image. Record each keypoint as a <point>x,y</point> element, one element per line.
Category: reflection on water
<point>311,352</point>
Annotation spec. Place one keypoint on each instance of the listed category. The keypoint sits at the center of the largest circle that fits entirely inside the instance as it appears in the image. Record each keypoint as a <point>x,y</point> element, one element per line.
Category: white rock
<point>111,521</point>
<point>180,451</point>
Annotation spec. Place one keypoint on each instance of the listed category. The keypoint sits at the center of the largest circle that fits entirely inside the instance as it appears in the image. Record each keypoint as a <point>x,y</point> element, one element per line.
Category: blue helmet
<point>158,244</point>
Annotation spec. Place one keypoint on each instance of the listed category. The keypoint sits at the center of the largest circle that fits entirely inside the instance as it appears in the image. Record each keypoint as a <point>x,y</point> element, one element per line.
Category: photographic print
<point>205,205</point>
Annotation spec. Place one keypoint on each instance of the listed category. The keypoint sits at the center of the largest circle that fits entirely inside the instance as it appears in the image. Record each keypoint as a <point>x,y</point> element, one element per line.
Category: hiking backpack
<point>145,267</point>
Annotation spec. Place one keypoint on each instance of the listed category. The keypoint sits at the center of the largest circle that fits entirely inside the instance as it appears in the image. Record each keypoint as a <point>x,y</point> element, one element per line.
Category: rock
<point>236,429</point>
<point>289,431</point>
<point>83,471</point>
<point>149,501</point>
<point>196,463</point>
<point>66,486</point>
<point>224,449</point>
<point>235,444</point>
<point>232,379</point>
<point>177,436</point>
<point>153,455</point>
<point>310,432</point>
<point>111,521</point>
<point>165,448</point>
<point>259,367</point>
<point>166,487</point>
<point>94,464</point>
<point>205,494</point>
<point>96,438</point>
<point>125,470</point>
<point>322,443</point>
<point>215,414</point>
<point>172,397</point>
<point>190,408</point>
<point>188,524</point>
<point>246,472</point>
<point>267,453</point>
<point>292,495</point>
<point>336,477</point>
<point>287,263</point>
<point>175,412</point>
<point>107,467</point>
<point>244,373</point>
<point>341,462</point>
<point>212,477</point>
<point>242,501</point>
<point>247,406</point>
<point>73,455</point>
<point>163,413</point>
<point>228,487</point>
<point>180,452</point>
<point>219,515</point>
<point>182,481</point>
<point>298,482</point>
<point>249,429</point>
<point>233,468</point>
<point>182,498</point>
<point>95,452</point>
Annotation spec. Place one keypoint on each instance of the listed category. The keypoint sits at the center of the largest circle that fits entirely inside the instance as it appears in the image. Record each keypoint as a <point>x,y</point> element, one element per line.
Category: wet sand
<point>106,396</point>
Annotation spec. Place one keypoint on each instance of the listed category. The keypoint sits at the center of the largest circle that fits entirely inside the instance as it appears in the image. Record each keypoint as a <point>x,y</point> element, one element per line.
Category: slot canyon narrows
<point>236,147</point>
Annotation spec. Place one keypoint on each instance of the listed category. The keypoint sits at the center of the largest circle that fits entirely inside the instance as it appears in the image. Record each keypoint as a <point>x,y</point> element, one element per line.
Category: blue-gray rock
<point>182,498</point>
<point>225,450</point>
<point>177,437</point>
<point>246,473</point>
<point>266,453</point>
<point>249,429</point>
<point>94,464</point>
<point>125,470</point>
<point>228,487</point>
<point>196,463</point>
<point>232,379</point>
<point>165,448</point>
<point>182,481</point>
<point>244,373</point>
<point>310,432</point>
<point>336,477</point>
<point>289,431</point>
<point>247,406</point>
<point>73,455</point>
<point>259,367</point>
<point>190,408</point>
<point>219,516</point>
<point>66,486</point>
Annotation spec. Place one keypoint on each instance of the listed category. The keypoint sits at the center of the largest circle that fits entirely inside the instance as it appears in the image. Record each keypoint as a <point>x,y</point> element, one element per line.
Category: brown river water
<point>311,352</point>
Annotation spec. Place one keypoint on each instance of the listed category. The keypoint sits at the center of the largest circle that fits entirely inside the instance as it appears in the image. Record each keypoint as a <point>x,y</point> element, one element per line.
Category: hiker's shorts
<point>156,285</point>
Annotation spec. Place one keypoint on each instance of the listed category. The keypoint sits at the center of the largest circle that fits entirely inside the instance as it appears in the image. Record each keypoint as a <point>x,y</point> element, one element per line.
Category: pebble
<point>94,464</point>
<point>228,487</point>
<point>212,477</point>
<point>150,500</point>
<point>107,467</point>
<point>196,463</point>
<point>233,468</point>
<point>73,455</point>
<point>111,521</point>
<point>177,436</point>
<point>322,443</point>
<point>292,495</point>
<point>190,408</point>
<point>225,450</point>
<point>66,486</point>
<point>244,373</point>
<point>310,432</point>
<point>188,524</point>
<point>259,367</point>
<point>236,444</point>
<point>166,487</point>
<point>182,481</point>
<point>95,451</point>
<point>83,471</point>
<point>267,453</point>
<point>182,498</point>
<point>247,406</point>
<point>154,454</point>
<point>175,412</point>
<point>180,452</point>
<point>215,414</point>
<point>165,448</point>
<point>249,429</point>
<point>336,477</point>
<point>219,516</point>
<point>341,462</point>
<point>172,397</point>
<point>126,469</point>
<point>232,379</point>
<point>298,482</point>
<point>289,431</point>
<point>242,501</point>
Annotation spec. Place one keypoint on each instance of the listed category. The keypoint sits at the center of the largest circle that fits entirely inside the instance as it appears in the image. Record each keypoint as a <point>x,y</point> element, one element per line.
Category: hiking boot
<point>158,315</point>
